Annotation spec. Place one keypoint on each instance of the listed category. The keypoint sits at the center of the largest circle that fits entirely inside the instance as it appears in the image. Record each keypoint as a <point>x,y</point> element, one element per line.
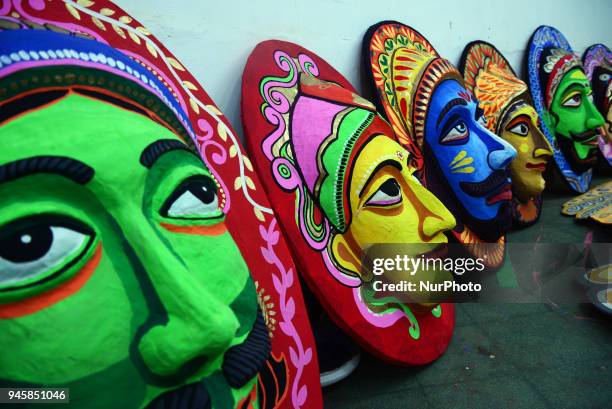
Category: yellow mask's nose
<point>435,218</point>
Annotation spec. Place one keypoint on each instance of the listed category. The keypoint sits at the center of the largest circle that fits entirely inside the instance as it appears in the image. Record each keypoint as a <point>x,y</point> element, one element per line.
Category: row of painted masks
<point>463,139</point>
<point>459,157</point>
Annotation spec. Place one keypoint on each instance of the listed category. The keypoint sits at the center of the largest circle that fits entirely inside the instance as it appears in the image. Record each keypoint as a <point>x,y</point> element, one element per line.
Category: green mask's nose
<point>199,325</point>
<point>594,119</point>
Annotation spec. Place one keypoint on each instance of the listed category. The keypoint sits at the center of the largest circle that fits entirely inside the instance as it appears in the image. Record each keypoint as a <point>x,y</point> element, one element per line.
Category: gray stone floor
<point>504,355</point>
<point>501,356</point>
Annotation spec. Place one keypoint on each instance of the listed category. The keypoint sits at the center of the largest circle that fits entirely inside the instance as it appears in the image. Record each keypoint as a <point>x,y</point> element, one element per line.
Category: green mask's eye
<point>573,100</point>
<point>36,248</point>
<point>195,198</point>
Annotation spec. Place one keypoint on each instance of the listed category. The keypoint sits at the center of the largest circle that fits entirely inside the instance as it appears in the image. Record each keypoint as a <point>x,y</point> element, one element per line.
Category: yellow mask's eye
<point>520,129</point>
<point>34,249</point>
<point>388,194</point>
<point>573,100</point>
<point>195,198</point>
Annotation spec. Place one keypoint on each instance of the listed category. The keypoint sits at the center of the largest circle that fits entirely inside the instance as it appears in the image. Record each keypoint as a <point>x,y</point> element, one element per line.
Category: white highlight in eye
<point>520,129</point>
<point>187,204</point>
<point>459,132</point>
<point>64,243</point>
<point>574,101</point>
<point>382,198</point>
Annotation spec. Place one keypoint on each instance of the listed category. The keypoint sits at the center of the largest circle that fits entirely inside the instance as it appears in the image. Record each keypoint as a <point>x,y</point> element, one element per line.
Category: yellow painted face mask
<point>388,205</point>
<point>520,129</point>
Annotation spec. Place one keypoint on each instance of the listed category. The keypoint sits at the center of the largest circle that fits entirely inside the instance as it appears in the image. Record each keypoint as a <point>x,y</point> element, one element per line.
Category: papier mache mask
<point>562,96</point>
<point>340,182</point>
<point>597,61</point>
<point>460,160</point>
<point>124,257</point>
<point>510,114</point>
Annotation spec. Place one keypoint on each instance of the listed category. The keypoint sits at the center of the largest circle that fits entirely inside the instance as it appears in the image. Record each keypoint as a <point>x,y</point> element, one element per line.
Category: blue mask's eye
<point>480,116</point>
<point>456,135</point>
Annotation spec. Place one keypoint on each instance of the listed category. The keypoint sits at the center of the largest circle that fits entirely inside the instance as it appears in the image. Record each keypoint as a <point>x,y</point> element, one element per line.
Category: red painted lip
<point>504,194</point>
<point>538,166</point>
<point>592,142</point>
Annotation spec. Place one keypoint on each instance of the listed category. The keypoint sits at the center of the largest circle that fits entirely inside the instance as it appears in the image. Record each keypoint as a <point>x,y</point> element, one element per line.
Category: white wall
<point>214,38</point>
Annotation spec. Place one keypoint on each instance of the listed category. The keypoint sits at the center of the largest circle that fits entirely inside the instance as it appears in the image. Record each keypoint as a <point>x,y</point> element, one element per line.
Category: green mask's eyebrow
<point>576,85</point>
<point>60,165</point>
<point>156,149</point>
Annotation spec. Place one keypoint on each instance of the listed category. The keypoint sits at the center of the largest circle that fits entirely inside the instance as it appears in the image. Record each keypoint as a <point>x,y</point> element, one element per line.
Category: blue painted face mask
<point>434,115</point>
<point>473,160</point>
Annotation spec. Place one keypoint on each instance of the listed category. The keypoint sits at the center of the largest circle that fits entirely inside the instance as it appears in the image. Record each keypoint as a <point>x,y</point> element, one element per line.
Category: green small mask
<point>575,120</point>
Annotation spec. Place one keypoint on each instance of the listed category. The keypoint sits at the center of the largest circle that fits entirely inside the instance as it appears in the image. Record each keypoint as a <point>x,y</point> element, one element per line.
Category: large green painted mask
<point>112,239</point>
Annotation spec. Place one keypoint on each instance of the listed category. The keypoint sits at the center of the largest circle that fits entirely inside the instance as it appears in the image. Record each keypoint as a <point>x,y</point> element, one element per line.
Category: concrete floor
<point>504,355</point>
<point>501,356</point>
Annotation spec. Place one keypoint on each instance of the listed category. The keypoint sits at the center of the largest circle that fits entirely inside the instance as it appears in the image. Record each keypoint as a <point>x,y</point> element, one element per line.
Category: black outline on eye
<point>455,124</point>
<point>448,125</point>
<point>55,221</point>
<point>367,202</point>
<point>510,129</point>
<point>479,114</point>
<point>389,162</point>
<point>181,189</point>
<point>579,94</point>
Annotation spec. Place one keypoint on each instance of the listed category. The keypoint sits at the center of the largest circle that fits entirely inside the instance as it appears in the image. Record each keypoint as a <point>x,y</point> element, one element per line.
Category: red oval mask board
<point>273,74</point>
<point>291,377</point>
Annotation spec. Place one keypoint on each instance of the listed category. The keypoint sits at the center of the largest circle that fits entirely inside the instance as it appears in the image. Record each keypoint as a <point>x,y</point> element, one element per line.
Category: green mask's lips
<point>241,363</point>
<point>588,137</point>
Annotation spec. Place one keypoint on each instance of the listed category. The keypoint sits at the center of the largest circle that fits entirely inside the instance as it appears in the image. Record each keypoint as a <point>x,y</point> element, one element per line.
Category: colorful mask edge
<point>542,38</point>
